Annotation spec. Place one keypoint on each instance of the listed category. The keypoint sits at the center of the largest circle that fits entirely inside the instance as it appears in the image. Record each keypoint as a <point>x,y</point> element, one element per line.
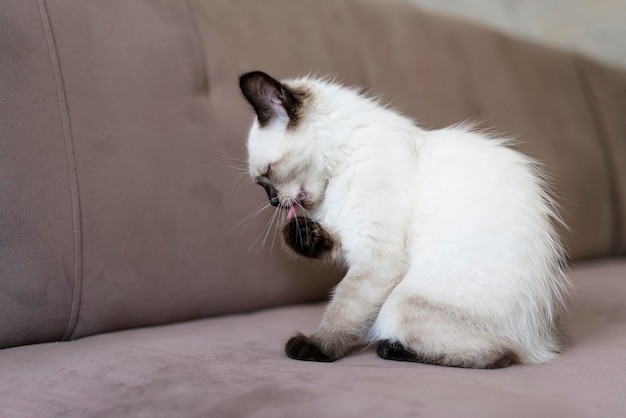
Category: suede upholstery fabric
<point>606,97</point>
<point>124,203</point>
<point>234,366</point>
<point>39,224</point>
<point>158,205</point>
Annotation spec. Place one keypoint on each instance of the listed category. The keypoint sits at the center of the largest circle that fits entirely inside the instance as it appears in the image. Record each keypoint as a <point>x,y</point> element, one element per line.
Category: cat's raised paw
<point>300,347</point>
<point>307,237</point>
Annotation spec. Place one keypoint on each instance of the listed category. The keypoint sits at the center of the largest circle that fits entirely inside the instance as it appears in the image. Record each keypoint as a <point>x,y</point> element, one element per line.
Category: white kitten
<point>448,235</point>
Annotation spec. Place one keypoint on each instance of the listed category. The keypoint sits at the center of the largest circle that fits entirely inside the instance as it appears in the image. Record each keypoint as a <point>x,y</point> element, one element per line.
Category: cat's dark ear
<point>270,99</point>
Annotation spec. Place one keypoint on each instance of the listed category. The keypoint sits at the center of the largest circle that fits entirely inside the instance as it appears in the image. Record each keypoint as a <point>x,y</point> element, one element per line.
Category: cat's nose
<point>271,192</point>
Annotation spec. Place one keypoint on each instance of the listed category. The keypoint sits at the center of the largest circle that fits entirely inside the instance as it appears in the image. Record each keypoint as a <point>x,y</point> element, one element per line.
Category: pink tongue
<point>292,212</point>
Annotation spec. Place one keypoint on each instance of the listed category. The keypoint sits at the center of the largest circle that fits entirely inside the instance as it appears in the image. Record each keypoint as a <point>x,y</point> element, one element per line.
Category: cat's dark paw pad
<point>301,347</point>
<point>395,351</point>
<point>307,237</point>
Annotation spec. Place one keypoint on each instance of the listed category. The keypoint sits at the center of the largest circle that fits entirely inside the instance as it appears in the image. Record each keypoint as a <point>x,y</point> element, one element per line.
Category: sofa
<point>138,273</point>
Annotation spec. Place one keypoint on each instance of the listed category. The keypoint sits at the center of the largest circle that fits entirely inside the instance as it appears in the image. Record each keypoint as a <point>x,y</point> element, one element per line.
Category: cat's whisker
<point>230,159</point>
<point>256,241</point>
<point>281,221</point>
<point>239,237</point>
<point>234,192</point>
<point>239,168</point>
<point>238,175</point>
<point>248,220</point>
<point>299,232</point>
<point>255,212</point>
<point>306,212</point>
<point>239,164</point>
<point>264,234</point>
<point>308,216</point>
<point>269,228</point>
<point>241,171</point>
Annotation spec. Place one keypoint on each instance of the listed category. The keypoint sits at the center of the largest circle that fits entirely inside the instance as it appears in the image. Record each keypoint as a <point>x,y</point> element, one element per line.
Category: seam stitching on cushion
<point>206,85</point>
<point>605,148</point>
<point>72,171</point>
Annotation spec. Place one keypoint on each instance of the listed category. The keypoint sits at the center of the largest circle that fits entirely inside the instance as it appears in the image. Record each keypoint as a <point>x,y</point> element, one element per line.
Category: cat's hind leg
<point>415,329</point>
<point>389,350</point>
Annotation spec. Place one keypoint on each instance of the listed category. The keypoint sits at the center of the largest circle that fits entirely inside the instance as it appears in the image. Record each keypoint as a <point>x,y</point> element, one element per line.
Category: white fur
<point>450,216</point>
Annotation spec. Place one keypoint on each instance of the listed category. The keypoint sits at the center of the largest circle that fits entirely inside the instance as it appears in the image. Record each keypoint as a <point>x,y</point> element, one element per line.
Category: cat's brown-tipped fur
<point>307,237</point>
<point>257,87</point>
<point>301,347</point>
<point>396,351</point>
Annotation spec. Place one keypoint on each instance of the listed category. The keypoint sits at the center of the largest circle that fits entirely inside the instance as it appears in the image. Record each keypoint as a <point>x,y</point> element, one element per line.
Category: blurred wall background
<point>594,27</point>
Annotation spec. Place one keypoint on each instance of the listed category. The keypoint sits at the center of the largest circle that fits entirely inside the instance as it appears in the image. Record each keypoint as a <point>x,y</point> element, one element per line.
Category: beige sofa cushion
<point>234,366</point>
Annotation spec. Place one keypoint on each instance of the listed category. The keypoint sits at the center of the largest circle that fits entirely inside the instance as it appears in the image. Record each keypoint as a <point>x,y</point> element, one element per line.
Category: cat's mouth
<point>298,203</point>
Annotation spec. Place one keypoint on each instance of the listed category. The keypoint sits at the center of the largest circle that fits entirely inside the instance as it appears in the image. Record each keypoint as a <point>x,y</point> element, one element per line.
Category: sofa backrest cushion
<point>605,90</point>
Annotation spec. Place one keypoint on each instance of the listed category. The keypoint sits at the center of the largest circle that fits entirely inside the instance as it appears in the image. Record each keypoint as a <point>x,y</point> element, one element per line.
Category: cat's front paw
<point>307,237</point>
<point>302,347</point>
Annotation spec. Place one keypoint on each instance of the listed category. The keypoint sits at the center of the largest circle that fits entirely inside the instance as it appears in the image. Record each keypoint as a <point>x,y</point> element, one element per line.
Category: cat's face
<point>281,144</point>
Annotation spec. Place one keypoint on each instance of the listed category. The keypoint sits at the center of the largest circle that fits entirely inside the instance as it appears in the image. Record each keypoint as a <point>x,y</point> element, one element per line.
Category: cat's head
<point>282,154</point>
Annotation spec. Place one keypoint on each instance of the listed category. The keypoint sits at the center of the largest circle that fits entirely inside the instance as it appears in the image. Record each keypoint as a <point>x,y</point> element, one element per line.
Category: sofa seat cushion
<point>235,366</point>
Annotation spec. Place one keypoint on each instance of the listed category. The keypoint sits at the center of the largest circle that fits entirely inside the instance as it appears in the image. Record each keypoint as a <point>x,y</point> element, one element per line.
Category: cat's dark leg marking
<point>307,237</point>
<point>396,351</point>
<point>301,347</point>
